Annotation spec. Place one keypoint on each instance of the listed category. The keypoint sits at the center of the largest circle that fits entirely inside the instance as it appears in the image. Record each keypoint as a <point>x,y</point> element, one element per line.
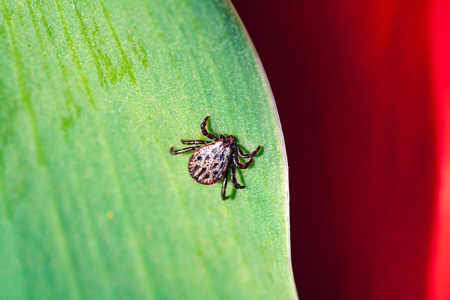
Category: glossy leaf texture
<point>92,205</point>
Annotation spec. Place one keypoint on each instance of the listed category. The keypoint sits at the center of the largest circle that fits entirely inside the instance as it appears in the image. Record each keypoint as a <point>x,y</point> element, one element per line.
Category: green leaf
<point>92,205</point>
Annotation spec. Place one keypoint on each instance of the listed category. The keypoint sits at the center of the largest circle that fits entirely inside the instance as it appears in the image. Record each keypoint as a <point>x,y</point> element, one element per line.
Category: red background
<point>356,88</point>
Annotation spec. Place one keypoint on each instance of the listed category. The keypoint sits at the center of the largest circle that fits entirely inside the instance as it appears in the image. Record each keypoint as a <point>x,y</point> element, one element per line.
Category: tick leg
<point>233,179</point>
<point>224,187</point>
<point>205,132</point>
<point>239,165</point>
<point>221,137</point>
<point>250,155</point>
<point>175,152</point>
<point>193,142</point>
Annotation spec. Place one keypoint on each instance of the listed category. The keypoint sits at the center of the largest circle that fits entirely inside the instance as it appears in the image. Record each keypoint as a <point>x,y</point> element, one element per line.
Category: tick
<point>212,160</point>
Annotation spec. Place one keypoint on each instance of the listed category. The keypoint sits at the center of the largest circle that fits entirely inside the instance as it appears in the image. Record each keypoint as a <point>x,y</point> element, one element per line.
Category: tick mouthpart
<point>230,140</point>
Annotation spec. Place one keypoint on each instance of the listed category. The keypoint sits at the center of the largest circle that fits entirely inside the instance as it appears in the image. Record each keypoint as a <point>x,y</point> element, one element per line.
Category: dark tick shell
<point>208,164</point>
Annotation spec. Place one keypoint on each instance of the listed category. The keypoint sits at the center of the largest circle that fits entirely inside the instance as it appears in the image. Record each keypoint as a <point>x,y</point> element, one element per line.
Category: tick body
<point>208,164</point>
<point>212,161</point>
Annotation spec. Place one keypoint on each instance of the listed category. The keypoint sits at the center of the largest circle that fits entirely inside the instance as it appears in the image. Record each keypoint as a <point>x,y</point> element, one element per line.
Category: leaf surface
<point>92,205</point>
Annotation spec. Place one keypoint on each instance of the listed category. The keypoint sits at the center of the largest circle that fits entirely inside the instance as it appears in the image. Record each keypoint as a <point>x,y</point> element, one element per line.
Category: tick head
<point>230,140</point>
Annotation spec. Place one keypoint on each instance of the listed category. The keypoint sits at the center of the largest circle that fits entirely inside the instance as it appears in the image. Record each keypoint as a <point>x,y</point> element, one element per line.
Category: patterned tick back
<point>208,164</point>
